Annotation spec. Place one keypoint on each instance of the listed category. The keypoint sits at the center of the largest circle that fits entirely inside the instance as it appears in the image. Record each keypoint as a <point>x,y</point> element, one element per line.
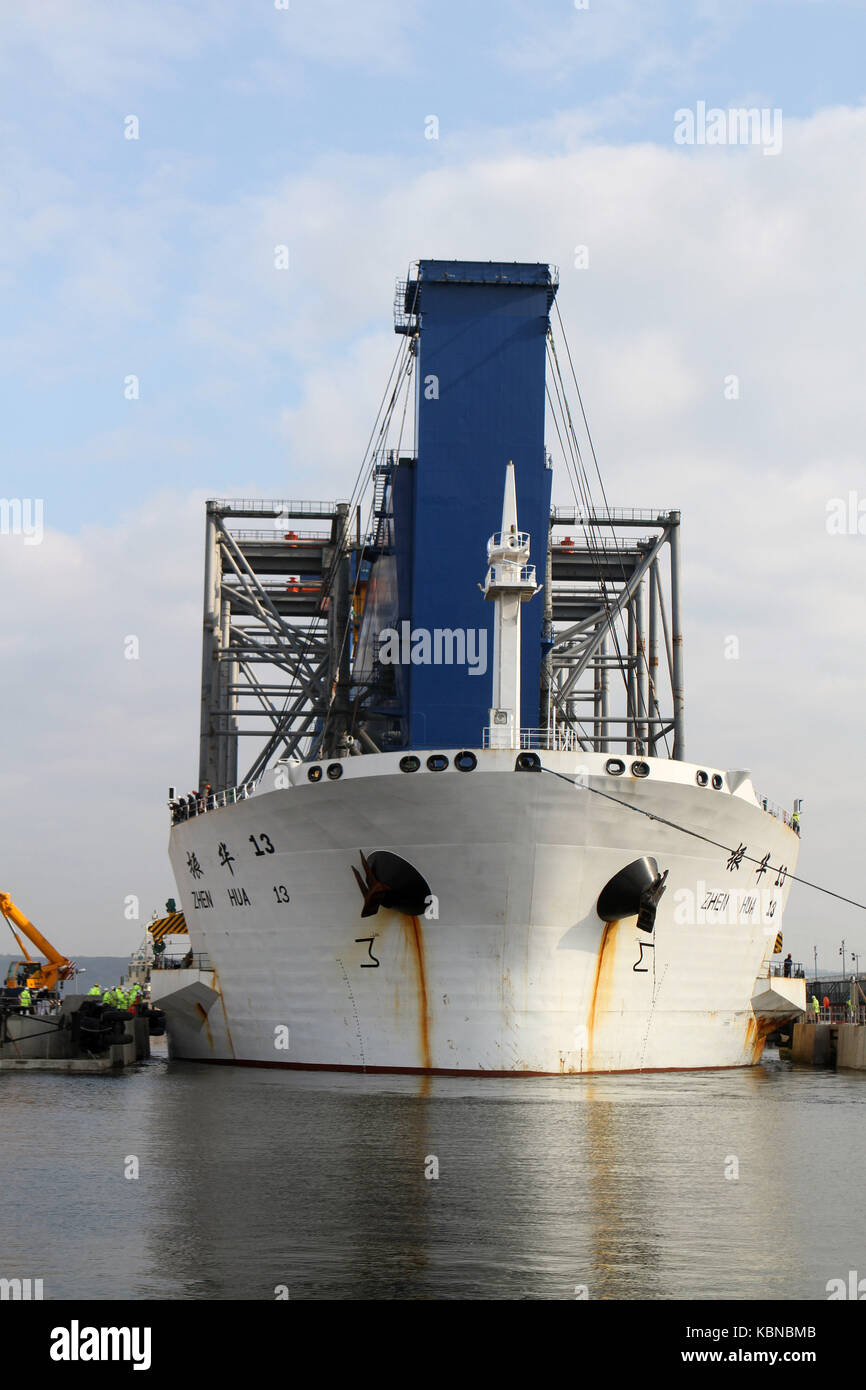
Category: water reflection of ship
<point>588,1184</point>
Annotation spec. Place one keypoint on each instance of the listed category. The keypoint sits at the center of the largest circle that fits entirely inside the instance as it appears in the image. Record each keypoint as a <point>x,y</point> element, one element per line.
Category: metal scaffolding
<point>611,606</point>
<point>283,604</point>
<point>276,641</point>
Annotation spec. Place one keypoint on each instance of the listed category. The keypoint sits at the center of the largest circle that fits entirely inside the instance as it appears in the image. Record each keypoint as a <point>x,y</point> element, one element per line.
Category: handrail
<point>777,971</point>
<point>200,961</point>
<point>580,545</point>
<point>837,1013</point>
<point>278,534</point>
<point>546,740</point>
<point>215,801</point>
<point>279,506</point>
<point>577,514</point>
<point>774,809</point>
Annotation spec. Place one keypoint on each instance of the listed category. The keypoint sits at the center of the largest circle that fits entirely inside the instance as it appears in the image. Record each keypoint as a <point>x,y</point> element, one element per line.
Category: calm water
<point>252,1179</point>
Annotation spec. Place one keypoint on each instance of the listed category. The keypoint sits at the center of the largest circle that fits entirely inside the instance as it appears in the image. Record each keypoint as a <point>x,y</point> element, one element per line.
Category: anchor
<point>372,891</point>
<point>634,891</point>
<point>391,882</point>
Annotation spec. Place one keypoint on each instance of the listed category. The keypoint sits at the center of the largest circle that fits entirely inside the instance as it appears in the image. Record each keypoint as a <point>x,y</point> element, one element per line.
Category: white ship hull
<point>512,970</point>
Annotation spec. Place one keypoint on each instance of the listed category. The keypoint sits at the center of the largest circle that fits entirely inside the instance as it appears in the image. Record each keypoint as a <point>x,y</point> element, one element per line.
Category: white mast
<point>510,581</point>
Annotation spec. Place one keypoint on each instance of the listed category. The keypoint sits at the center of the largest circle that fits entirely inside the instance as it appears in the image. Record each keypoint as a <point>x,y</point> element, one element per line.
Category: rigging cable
<point>363,477</point>
<point>585,489</point>
<point>696,834</point>
<point>643,656</point>
<point>576,472</point>
<point>584,502</point>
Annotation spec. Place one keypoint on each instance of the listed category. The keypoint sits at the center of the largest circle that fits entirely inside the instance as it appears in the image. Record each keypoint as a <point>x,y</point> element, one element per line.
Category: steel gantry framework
<point>613,673</point>
<point>284,591</point>
<point>276,632</point>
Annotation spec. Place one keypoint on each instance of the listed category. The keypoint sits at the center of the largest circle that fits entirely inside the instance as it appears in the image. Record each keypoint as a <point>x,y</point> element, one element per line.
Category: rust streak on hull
<point>757,1032</point>
<point>218,988</point>
<point>608,938</point>
<point>416,941</point>
<point>199,1010</point>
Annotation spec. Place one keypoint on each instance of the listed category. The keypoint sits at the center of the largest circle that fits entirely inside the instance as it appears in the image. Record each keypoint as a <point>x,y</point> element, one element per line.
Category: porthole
<point>335,770</point>
<point>410,763</point>
<point>437,762</point>
<point>640,769</point>
<point>718,781</point>
<point>465,761</point>
<point>615,766</point>
<point>701,778</point>
<point>314,774</point>
<point>527,762</point>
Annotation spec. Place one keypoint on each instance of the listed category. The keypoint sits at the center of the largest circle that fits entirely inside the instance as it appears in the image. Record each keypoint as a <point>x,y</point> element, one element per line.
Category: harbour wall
<point>842,1045</point>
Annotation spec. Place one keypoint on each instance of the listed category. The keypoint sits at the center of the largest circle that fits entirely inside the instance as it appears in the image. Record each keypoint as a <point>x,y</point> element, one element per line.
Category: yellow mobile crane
<point>35,974</point>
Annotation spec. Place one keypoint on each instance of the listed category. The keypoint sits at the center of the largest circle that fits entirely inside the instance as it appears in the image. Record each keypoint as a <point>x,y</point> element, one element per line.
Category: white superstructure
<point>510,582</point>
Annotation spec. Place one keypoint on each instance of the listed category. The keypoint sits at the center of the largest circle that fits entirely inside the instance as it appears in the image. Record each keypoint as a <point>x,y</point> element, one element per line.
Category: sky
<point>155,155</point>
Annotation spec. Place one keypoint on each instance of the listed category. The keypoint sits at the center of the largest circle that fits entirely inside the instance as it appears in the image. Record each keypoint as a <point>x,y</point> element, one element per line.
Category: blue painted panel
<point>481,403</point>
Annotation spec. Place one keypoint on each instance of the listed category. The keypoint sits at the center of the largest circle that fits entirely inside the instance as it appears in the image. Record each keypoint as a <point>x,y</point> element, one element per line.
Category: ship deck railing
<point>276,507</point>
<point>196,960</point>
<point>279,533</point>
<point>777,971</point>
<point>543,740</point>
<point>583,545</point>
<point>573,516</point>
<point>774,809</point>
<point>180,811</point>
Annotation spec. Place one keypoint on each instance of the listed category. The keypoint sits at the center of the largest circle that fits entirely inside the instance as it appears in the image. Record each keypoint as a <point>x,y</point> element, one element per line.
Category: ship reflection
<point>369,1187</point>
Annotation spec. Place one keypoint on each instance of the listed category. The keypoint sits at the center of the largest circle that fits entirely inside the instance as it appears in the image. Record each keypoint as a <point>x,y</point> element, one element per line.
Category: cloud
<point>648,40</point>
<point>91,738</point>
<point>97,48</point>
<point>375,35</point>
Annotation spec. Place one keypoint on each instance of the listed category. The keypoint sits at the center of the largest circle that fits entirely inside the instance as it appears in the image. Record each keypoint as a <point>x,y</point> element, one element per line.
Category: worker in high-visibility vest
<point>94,989</point>
<point>816,1007</point>
<point>108,997</point>
<point>25,999</point>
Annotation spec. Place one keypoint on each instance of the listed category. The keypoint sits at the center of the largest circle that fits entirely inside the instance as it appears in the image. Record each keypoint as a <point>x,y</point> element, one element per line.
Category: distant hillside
<point>100,970</point>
